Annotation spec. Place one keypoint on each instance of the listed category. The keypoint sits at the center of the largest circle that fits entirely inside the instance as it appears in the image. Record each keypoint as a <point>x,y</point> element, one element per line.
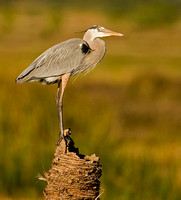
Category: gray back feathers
<point>65,57</point>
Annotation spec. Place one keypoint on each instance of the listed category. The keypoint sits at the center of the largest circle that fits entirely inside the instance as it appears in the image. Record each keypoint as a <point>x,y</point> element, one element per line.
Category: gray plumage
<point>62,58</point>
<point>72,56</point>
<point>60,62</point>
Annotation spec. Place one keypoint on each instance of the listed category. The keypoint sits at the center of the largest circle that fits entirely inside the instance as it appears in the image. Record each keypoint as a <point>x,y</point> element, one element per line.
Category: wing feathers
<point>60,59</point>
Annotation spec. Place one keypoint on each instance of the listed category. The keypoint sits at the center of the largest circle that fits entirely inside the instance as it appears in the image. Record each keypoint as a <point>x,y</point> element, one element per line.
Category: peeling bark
<point>73,175</point>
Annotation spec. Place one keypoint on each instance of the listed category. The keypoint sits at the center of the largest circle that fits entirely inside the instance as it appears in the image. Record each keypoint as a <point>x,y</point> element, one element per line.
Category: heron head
<point>99,31</point>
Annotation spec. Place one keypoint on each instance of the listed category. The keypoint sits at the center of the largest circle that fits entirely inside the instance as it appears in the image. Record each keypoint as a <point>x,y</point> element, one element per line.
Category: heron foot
<point>65,137</point>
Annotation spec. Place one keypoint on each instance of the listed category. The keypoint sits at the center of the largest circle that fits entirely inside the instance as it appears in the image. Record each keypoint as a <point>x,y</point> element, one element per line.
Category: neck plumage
<point>98,48</point>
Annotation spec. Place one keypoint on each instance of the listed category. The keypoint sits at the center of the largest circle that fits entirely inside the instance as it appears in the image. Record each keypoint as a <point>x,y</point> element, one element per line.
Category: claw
<point>60,139</point>
<point>64,136</point>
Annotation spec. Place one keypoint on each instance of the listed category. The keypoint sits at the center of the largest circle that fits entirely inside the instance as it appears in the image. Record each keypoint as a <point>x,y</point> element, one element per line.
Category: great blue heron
<point>60,62</point>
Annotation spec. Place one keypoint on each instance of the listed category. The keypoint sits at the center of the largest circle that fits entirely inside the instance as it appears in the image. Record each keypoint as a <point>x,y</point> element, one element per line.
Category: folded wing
<point>62,58</point>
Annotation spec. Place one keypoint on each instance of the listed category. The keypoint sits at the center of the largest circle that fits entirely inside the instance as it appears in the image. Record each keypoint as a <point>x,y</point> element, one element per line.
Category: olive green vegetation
<point>127,110</point>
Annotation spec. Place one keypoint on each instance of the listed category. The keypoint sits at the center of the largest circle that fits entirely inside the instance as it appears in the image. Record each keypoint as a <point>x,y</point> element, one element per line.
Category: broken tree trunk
<point>72,176</point>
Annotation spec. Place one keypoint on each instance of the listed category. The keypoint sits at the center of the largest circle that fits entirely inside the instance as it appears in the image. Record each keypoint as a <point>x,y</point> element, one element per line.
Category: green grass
<point>127,110</point>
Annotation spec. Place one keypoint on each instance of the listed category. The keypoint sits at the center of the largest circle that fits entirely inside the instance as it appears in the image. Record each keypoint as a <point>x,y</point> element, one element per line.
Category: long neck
<point>98,48</point>
<point>94,43</point>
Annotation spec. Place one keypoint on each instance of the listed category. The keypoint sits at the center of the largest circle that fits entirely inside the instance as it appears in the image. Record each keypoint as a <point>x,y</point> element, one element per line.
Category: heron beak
<point>107,32</point>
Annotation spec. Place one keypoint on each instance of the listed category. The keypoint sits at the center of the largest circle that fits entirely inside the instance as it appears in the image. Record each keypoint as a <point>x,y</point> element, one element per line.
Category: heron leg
<point>58,107</point>
<point>59,99</point>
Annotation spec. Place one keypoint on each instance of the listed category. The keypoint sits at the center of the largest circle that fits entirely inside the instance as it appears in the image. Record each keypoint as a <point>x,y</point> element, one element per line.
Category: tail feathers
<point>20,80</point>
<point>25,75</point>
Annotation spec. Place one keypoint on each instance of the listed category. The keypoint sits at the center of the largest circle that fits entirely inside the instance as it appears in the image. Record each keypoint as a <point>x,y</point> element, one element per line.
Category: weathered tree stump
<point>72,176</point>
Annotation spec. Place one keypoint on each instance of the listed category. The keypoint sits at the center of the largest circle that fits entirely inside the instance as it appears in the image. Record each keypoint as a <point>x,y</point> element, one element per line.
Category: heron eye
<point>99,29</point>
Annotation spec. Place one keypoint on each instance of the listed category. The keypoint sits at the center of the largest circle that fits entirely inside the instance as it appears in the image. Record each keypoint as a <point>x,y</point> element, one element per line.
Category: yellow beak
<point>107,32</point>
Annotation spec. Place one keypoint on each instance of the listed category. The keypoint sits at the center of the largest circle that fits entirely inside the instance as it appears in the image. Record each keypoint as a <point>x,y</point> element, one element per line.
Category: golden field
<point>127,110</point>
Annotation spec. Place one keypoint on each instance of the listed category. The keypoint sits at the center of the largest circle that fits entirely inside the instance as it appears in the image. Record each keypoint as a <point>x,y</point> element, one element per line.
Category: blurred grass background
<point>127,110</point>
